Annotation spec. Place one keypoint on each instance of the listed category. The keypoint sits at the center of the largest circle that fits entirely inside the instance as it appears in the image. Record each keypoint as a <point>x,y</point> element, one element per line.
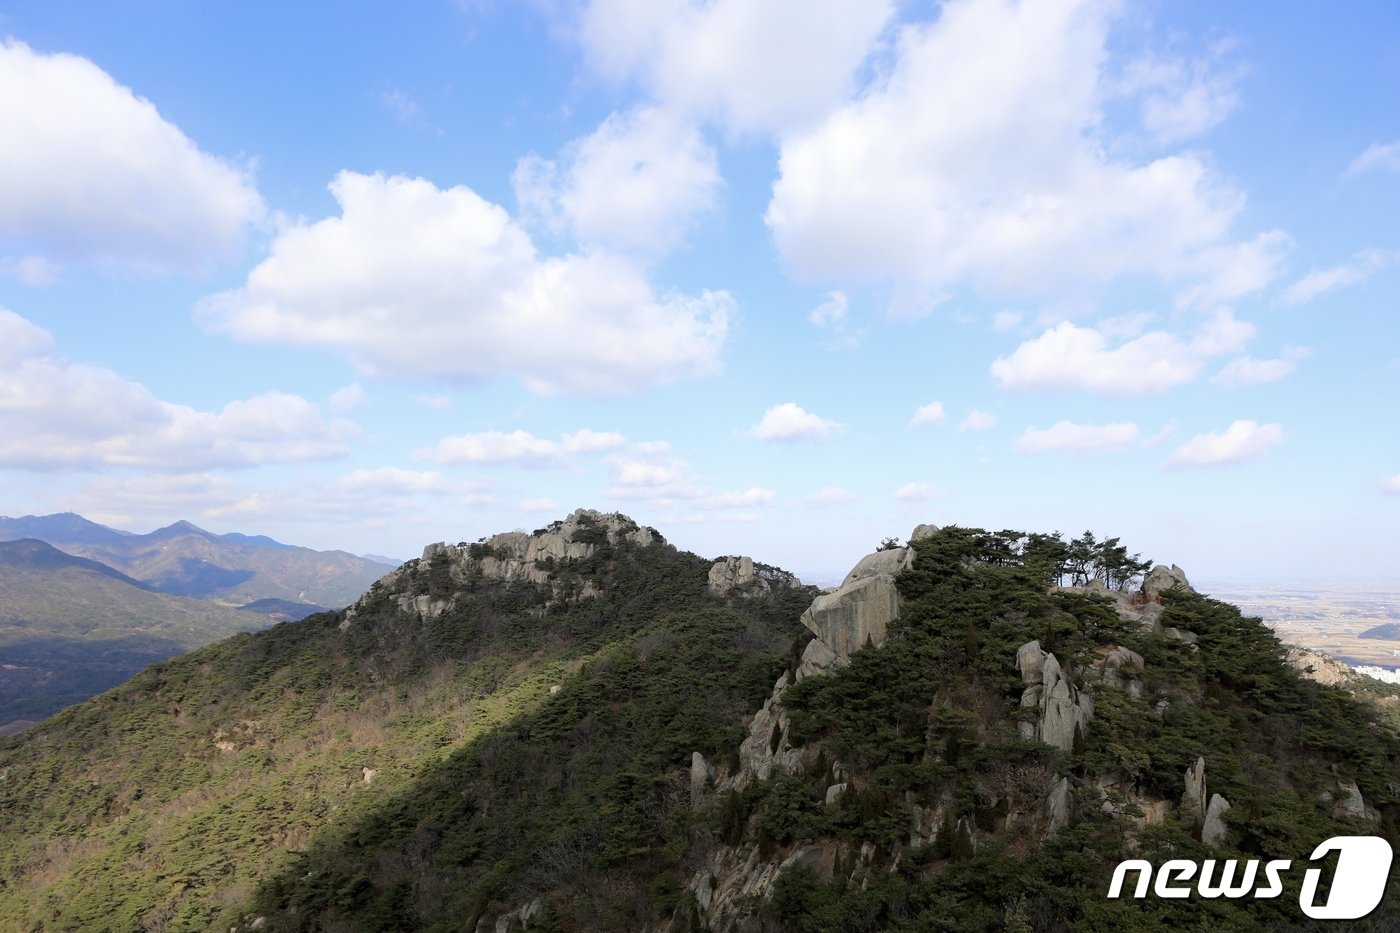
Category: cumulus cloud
<point>413,280</point>
<point>932,413</point>
<point>1242,440</point>
<point>790,422</point>
<point>980,157</point>
<point>1379,157</point>
<point>977,421</point>
<point>718,59</point>
<point>55,413</point>
<point>1085,438</point>
<point>91,173</point>
<point>1072,357</point>
<point>635,184</point>
<point>522,448</point>
<point>918,492</point>
<point>1354,271</point>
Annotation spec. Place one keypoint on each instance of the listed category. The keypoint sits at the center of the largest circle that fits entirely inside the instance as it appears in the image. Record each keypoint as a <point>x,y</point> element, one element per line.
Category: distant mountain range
<point>71,627</point>
<point>185,560</point>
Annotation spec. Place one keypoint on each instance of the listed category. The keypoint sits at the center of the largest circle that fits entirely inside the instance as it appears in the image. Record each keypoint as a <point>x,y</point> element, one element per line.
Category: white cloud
<point>918,492</point>
<point>413,280</point>
<point>1384,157</point>
<point>977,421</point>
<point>980,157</point>
<point>790,422</point>
<point>1071,357</point>
<point>1246,371</point>
<point>1391,485</point>
<point>404,108</point>
<point>649,473</point>
<point>591,442</point>
<point>55,413</point>
<point>1358,269</point>
<point>832,312</point>
<point>1088,438</point>
<point>753,65</point>
<point>1182,98</point>
<point>91,173</point>
<point>388,480</point>
<point>832,316</point>
<point>364,496</point>
<point>828,496</point>
<point>635,184</point>
<point>1231,271</point>
<point>932,413</point>
<point>1242,440</point>
<point>540,505</point>
<point>348,398</point>
<point>522,448</point>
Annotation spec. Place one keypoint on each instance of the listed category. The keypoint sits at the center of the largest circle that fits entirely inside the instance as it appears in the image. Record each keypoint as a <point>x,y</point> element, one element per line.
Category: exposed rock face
<point>1213,830</point>
<point>701,774</point>
<point>1162,578</point>
<point>731,576</point>
<point>1352,804</point>
<point>921,532</point>
<point>1058,807</point>
<point>854,615</point>
<point>858,612</point>
<point>1122,670</point>
<point>1193,800</point>
<point>1061,710</point>
<point>510,556</point>
<point>1314,665</point>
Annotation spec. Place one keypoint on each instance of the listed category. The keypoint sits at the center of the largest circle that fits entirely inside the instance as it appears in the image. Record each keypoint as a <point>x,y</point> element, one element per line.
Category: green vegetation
<point>386,772</point>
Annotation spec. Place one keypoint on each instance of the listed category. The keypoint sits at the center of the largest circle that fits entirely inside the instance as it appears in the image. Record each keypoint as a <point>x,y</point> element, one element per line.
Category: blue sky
<point>777,278</point>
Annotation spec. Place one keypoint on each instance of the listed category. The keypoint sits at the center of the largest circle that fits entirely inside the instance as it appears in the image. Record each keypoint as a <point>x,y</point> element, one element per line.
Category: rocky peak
<point>425,586</point>
<point>740,576</point>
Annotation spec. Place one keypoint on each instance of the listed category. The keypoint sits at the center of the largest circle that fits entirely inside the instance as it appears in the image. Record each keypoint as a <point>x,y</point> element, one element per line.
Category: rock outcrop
<point>857,613</point>
<point>419,585</point>
<point>1058,807</point>
<point>1162,578</point>
<point>1352,804</point>
<point>1122,670</point>
<point>1061,713</point>
<point>1213,829</point>
<point>738,576</point>
<point>1314,665</point>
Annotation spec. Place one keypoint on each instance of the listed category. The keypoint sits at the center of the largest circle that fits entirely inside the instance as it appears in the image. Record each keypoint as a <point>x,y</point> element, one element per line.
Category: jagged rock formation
<point>1062,712</point>
<point>857,613</point>
<point>508,557</point>
<point>1122,669</point>
<point>1213,829</point>
<point>1059,807</point>
<point>1319,667</point>
<point>739,576</point>
<point>1162,578</point>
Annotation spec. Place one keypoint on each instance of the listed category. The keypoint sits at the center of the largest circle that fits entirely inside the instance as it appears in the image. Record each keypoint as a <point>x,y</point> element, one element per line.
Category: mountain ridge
<point>544,732</point>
